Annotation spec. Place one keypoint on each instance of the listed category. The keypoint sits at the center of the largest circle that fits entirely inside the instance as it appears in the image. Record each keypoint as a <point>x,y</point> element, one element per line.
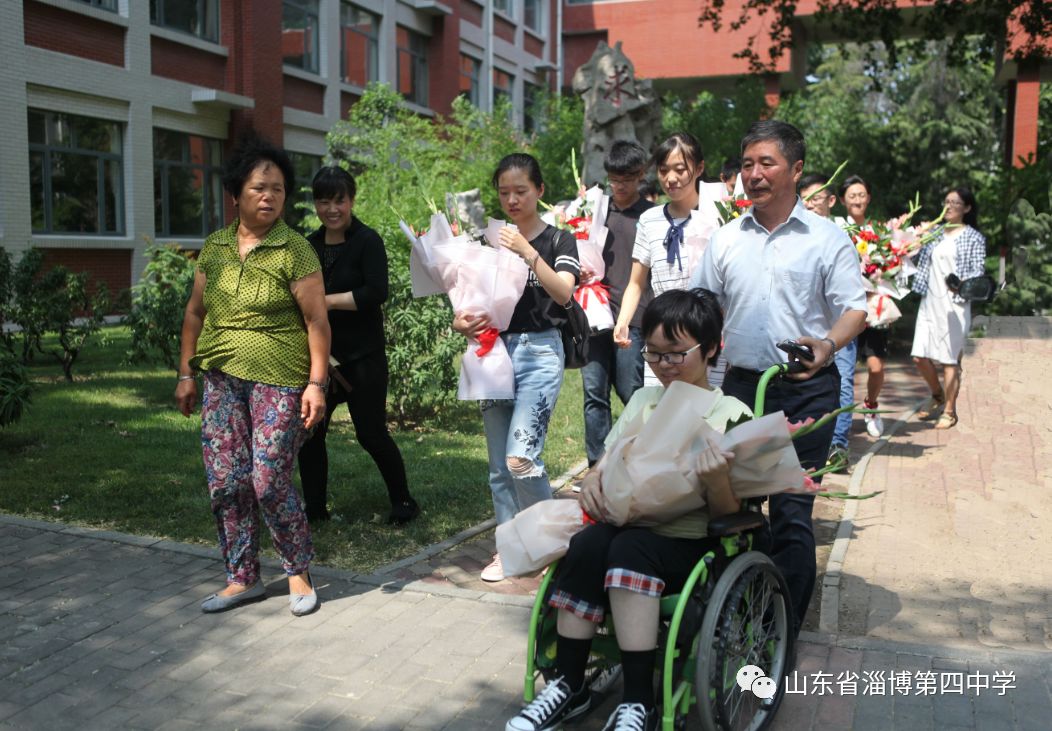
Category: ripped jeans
<point>516,429</point>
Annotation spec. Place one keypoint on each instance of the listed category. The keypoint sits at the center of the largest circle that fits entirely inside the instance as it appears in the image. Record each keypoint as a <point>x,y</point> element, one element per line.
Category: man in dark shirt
<point>625,165</point>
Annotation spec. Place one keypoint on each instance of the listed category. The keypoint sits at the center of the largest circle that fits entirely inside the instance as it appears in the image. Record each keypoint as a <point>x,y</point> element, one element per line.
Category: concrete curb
<point>377,579</point>
<point>464,535</point>
<point>829,611</point>
<point>945,649</point>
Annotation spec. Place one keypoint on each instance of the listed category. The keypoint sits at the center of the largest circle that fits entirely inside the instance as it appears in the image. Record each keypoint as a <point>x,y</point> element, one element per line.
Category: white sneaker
<point>552,706</point>
<point>495,570</point>
<point>632,717</point>
<point>874,425</point>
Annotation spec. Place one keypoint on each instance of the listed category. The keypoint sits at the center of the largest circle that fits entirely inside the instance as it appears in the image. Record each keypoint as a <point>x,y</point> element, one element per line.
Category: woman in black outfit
<point>354,265</point>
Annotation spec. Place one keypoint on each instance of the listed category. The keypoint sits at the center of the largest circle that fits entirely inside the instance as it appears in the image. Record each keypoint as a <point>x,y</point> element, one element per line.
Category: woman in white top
<point>670,239</point>
<point>944,318</point>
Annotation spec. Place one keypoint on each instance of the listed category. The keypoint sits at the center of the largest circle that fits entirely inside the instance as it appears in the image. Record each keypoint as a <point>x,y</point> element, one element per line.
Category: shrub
<point>71,312</point>
<point>400,160</point>
<point>158,302</point>
<point>7,292</point>
<point>30,309</point>
<point>15,389</point>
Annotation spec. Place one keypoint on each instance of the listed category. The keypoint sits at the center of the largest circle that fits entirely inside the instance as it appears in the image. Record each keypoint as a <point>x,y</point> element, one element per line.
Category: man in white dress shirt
<point>782,272</point>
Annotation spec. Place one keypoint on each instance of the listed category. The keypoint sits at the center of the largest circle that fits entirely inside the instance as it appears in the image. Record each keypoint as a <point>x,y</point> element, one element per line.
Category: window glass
<point>299,34</point>
<point>188,197</point>
<point>469,78</point>
<point>505,6</point>
<point>532,113</point>
<point>196,17</point>
<point>532,14</point>
<point>412,66</point>
<point>502,83</point>
<point>359,42</point>
<point>76,174</point>
<point>299,202</point>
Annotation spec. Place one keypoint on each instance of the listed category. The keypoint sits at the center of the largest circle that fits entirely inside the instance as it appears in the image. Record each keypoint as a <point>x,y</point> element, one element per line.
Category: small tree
<point>71,312</point>
<point>158,302</point>
<point>400,160</point>
<point>30,309</point>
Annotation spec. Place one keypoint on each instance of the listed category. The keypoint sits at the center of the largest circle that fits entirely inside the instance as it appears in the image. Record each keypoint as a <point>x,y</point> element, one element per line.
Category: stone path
<point>945,579</point>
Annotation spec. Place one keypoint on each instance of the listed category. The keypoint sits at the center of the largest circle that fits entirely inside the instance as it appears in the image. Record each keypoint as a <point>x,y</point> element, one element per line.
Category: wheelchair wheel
<point>747,622</point>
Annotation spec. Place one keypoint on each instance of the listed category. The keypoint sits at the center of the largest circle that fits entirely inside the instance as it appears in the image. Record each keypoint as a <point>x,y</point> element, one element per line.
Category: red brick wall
<point>112,266</point>
<point>347,100</point>
<point>184,63</point>
<point>471,11</point>
<point>663,40</point>
<point>53,28</point>
<point>252,33</point>
<point>533,45</point>
<point>576,52</point>
<point>503,29</point>
<point>444,64</point>
<point>1025,114</point>
<point>305,95</point>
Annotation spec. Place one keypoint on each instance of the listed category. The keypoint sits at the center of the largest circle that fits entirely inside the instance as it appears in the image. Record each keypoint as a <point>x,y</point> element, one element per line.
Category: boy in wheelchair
<point>627,569</point>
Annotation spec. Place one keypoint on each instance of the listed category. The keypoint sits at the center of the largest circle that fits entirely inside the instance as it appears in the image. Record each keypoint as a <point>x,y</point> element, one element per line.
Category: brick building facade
<point>118,113</point>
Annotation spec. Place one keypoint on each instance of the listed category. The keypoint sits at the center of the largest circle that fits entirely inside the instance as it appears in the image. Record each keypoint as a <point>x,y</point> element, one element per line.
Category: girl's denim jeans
<point>517,428</point>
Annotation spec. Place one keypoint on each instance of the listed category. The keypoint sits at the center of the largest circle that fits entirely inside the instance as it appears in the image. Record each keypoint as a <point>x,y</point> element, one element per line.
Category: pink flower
<point>796,425</point>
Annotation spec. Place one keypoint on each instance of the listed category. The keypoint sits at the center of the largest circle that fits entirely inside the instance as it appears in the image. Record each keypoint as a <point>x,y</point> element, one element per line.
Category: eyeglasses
<point>623,182</point>
<point>856,197</point>
<point>671,358</point>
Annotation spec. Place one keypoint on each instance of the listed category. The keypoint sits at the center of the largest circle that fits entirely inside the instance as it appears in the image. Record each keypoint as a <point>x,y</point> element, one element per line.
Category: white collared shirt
<point>649,249</point>
<point>798,279</point>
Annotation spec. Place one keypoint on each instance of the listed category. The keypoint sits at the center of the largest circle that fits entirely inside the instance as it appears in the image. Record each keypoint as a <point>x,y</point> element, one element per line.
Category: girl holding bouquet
<point>516,428</point>
<point>669,238</point>
<point>944,318</point>
<point>628,569</point>
<point>872,343</point>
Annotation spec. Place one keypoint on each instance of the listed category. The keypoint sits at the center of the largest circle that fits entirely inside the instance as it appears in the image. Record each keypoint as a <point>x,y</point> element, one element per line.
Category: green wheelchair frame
<point>729,619</point>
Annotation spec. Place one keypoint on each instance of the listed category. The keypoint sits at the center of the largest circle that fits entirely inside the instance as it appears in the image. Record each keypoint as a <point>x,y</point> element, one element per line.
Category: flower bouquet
<point>585,218</point>
<point>649,475</point>
<point>479,280</point>
<point>729,208</point>
<point>885,250</point>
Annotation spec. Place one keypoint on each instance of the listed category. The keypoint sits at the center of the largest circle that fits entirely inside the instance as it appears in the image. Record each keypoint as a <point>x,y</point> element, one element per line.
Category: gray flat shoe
<point>302,604</point>
<point>219,603</point>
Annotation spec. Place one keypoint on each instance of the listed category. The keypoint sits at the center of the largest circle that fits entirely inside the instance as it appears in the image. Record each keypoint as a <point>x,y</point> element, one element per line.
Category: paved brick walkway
<point>946,574</point>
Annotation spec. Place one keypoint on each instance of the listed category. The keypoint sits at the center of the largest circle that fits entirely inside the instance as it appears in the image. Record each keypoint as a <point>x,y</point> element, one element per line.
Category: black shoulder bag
<point>575,331</point>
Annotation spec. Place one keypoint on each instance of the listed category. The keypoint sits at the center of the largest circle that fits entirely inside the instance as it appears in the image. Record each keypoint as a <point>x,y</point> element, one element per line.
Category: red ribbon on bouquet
<point>487,339</point>
<point>880,304</point>
<point>600,290</point>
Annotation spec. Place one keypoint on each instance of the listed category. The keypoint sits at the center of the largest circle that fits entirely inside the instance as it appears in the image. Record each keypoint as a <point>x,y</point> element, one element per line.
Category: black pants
<point>792,534</point>
<point>367,403</point>
<point>660,565</point>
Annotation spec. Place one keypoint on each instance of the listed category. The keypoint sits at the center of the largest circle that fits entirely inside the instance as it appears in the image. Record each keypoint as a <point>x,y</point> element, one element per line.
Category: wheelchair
<point>734,610</point>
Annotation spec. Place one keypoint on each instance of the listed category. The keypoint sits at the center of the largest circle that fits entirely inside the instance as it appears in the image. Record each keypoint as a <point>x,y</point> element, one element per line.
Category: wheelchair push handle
<point>778,369</point>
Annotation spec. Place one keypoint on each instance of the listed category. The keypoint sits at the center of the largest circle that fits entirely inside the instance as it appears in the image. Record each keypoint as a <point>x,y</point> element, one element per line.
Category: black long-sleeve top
<point>358,265</point>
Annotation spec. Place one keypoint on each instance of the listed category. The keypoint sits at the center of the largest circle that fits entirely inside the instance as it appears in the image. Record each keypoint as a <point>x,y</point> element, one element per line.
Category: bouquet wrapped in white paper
<point>538,535</point>
<point>586,219</point>
<point>479,280</point>
<point>649,475</point>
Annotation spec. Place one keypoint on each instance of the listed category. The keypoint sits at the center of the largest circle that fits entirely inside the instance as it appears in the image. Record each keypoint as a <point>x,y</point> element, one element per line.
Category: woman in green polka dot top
<point>256,327</point>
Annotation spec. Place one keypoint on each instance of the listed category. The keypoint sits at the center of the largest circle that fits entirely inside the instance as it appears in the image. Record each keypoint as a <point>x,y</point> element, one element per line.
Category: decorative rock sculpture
<point>617,106</point>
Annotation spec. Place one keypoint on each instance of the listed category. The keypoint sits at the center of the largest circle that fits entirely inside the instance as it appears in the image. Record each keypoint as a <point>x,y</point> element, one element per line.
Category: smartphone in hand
<point>801,352</point>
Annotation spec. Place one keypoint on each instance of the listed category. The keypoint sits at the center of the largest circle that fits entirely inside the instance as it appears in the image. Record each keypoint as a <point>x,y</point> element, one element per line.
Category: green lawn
<point>111,451</point>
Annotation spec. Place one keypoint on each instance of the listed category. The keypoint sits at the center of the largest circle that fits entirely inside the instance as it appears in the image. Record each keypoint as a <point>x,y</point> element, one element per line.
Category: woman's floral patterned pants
<point>250,434</point>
